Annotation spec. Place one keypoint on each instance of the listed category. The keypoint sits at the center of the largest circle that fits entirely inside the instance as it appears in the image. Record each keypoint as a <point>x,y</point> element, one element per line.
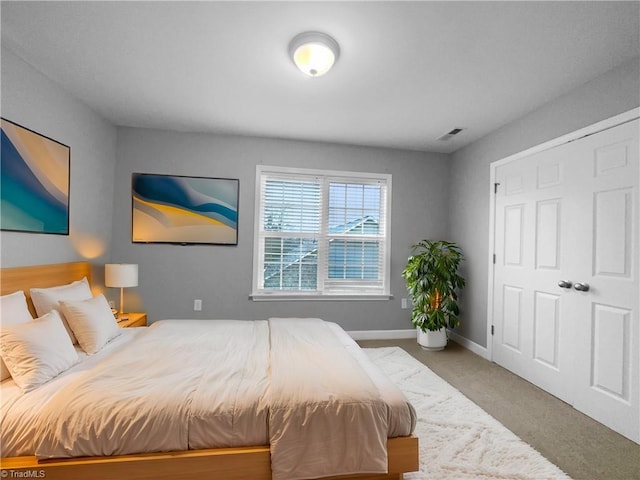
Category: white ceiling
<point>408,71</point>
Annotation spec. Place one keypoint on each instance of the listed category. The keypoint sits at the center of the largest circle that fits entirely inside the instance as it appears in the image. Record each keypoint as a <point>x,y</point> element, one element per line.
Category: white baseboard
<point>411,333</point>
<point>382,334</point>
<point>468,344</point>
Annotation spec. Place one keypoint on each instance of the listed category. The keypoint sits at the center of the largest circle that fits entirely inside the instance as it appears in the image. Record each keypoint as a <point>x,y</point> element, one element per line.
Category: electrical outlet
<point>197,305</point>
<point>112,304</point>
<point>404,304</point>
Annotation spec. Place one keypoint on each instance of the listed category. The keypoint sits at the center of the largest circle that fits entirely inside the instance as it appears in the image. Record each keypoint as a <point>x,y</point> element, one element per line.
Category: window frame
<point>327,176</point>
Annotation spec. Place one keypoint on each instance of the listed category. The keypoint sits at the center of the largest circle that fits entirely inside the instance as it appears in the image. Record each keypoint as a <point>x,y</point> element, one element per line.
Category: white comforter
<point>300,385</point>
<point>320,393</point>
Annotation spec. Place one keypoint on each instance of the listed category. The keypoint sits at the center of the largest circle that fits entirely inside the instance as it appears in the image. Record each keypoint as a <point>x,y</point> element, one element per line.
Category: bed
<point>237,458</point>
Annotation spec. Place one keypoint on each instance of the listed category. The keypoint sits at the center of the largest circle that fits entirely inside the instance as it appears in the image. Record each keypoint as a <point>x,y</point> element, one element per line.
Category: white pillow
<point>13,310</point>
<point>37,351</point>
<point>46,299</point>
<point>92,322</point>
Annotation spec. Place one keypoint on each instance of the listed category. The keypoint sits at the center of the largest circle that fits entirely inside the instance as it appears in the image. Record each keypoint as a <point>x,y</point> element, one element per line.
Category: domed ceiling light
<point>314,52</point>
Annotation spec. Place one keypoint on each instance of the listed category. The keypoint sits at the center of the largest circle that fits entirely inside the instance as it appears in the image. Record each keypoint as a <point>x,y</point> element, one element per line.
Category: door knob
<point>581,287</point>
<point>565,284</point>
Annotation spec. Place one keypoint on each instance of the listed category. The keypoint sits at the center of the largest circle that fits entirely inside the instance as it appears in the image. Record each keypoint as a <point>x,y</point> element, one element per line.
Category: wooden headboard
<point>41,276</point>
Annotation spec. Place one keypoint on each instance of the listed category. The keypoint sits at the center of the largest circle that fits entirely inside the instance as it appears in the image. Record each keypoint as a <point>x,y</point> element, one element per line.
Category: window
<point>321,233</point>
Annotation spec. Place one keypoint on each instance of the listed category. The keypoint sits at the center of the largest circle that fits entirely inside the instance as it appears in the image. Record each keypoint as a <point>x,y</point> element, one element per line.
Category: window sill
<point>278,297</point>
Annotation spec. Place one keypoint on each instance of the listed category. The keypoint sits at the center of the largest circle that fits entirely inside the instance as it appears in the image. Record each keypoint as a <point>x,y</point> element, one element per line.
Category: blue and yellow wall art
<point>34,182</point>
<point>184,210</point>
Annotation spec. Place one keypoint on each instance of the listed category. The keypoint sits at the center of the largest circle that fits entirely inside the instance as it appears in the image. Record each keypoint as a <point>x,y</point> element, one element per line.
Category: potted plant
<point>432,281</point>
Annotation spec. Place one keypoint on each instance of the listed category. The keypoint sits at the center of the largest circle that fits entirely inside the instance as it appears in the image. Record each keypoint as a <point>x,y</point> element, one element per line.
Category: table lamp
<point>121,275</point>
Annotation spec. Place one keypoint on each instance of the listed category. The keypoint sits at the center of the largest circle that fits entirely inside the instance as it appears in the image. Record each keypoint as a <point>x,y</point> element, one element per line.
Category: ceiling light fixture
<point>314,52</point>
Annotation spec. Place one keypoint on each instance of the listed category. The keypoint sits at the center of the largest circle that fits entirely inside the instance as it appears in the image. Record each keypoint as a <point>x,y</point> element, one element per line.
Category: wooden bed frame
<point>225,463</point>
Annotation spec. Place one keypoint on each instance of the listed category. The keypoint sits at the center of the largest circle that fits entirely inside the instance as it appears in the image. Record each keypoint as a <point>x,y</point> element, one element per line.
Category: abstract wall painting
<point>184,210</point>
<point>34,182</point>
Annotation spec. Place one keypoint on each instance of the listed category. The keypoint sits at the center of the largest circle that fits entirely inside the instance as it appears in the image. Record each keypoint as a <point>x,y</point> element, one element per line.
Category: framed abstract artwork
<point>184,210</point>
<point>34,182</point>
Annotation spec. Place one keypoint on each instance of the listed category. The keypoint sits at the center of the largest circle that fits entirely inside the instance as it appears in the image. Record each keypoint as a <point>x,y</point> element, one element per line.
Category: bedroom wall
<point>36,102</point>
<point>171,277</point>
<point>612,93</point>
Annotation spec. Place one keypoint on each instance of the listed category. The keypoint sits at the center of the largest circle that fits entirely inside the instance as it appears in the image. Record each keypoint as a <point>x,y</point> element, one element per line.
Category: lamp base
<point>121,313</point>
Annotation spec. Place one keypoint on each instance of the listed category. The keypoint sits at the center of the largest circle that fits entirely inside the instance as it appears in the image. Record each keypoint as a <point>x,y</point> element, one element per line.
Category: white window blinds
<point>321,233</point>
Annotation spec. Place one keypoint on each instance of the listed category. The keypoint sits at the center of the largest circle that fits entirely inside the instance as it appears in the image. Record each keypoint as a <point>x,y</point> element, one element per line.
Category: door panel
<point>612,157</point>
<point>513,217</point>
<point>546,329</point>
<point>548,234</point>
<point>612,231</point>
<point>512,311</point>
<point>610,351</point>
<point>549,174</point>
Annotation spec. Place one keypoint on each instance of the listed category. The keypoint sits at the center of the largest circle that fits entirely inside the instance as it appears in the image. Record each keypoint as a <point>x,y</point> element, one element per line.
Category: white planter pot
<point>432,340</point>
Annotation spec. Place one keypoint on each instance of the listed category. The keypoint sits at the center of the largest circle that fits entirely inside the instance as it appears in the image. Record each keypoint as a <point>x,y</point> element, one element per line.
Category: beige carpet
<point>458,440</point>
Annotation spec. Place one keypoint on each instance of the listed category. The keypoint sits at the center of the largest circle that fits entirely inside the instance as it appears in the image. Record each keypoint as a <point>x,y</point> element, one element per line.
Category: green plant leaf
<point>432,278</point>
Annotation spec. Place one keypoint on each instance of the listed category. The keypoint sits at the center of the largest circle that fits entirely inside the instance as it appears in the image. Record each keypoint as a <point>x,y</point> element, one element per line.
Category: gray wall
<point>171,277</point>
<point>102,159</point>
<point>31,99</point>
<point>614,92</point>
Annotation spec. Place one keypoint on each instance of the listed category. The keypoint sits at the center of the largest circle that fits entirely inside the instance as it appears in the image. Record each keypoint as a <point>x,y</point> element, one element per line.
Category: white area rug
<point>458,440</point>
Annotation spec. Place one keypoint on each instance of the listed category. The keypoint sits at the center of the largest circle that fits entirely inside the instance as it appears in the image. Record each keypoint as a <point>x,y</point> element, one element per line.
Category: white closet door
<point>566,274</point>
<point>605,256</point>
<point>531,318</point>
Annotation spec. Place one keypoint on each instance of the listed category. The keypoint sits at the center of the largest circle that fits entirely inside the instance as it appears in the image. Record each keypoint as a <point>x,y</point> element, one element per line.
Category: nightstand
<point>135,319</point>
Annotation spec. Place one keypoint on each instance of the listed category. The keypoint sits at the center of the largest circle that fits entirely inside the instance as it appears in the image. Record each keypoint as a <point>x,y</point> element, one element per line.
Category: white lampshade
<point>314,52</point>
<point>121,275</point>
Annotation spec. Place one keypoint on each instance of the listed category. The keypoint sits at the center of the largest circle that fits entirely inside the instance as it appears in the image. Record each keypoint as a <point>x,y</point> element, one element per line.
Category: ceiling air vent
<point>449,135</point>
